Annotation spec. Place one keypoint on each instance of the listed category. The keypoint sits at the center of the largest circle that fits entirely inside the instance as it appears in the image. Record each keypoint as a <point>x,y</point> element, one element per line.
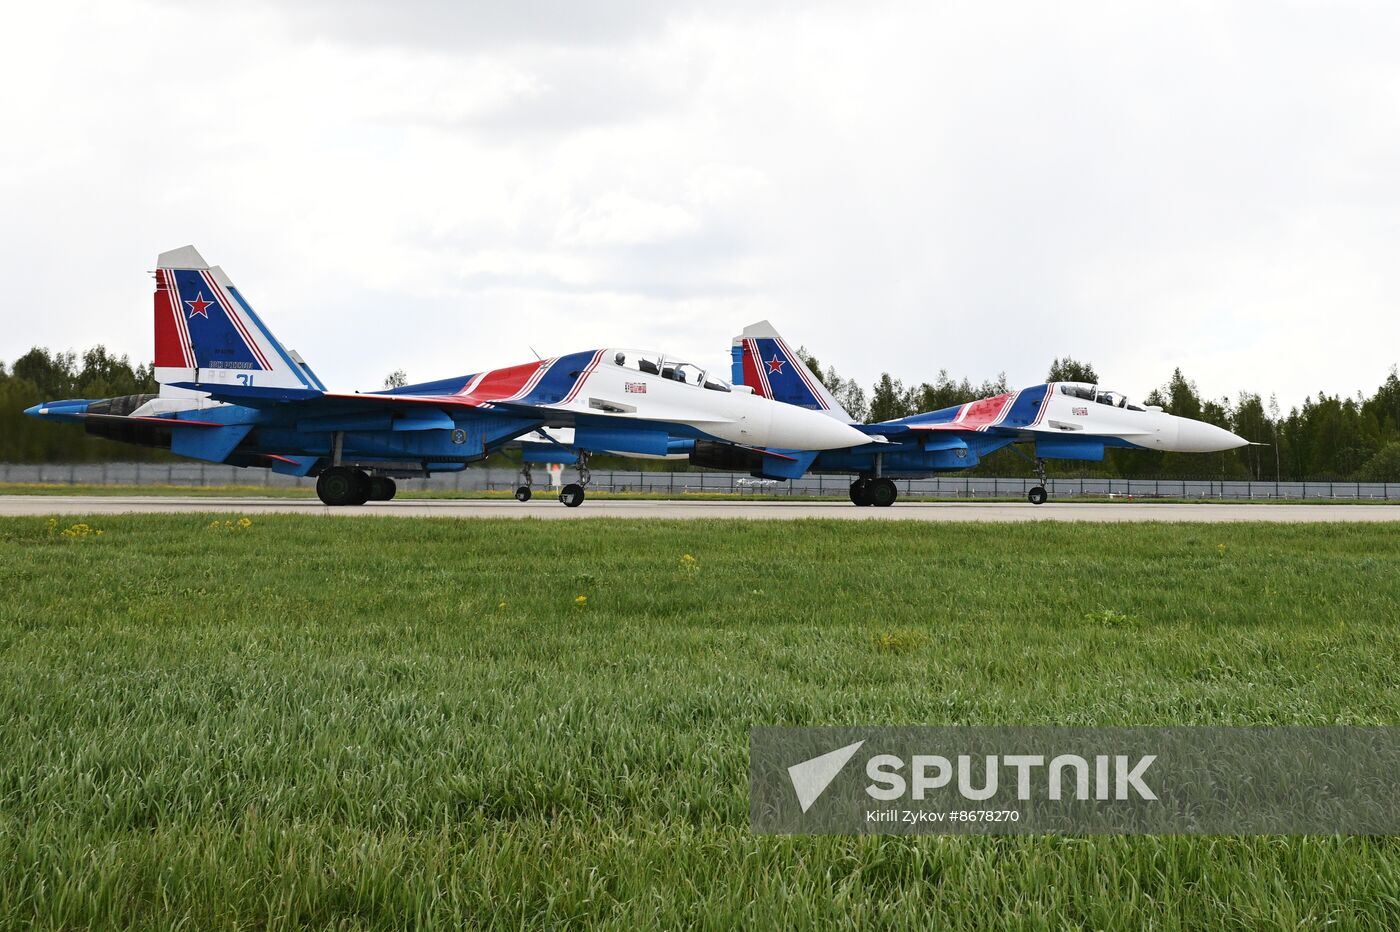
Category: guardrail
<point>676,483</point>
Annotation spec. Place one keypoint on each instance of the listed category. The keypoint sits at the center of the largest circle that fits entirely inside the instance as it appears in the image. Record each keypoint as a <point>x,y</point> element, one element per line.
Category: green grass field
<point>385,723</point>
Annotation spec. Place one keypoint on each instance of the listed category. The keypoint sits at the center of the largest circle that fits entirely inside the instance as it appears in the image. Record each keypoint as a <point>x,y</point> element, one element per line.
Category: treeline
<point>1329,437</point>
<point>40,375</point>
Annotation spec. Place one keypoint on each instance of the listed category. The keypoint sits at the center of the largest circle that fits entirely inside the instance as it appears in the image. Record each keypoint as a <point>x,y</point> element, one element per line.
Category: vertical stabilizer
<point>764,362</point>
<point>207,335</point>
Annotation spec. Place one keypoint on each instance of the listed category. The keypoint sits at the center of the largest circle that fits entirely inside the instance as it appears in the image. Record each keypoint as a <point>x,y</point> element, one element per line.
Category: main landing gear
<point>1037,495</point>
<point>522,494</point>
<point>572,494</point>
<point>346,485</point>
<point>879,492</point>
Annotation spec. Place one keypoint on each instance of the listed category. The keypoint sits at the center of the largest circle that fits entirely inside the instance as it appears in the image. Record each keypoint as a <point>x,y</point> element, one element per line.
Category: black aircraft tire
<point>571,495</point>
<point>860,492</point>
<point>341,485</point>
<point>361,488</point>
<point>1037,495</point>
<point>882,492</point>
<point>382,488</point>
<point>522,494</point>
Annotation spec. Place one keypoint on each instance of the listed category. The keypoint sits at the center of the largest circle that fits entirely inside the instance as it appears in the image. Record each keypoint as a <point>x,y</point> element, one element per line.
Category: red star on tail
<point>775,365</point>
<point>198,306</point>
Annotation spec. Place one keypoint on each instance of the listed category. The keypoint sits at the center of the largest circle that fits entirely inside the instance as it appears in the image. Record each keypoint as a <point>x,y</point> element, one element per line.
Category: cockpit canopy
<point>1098,395</point>
<point>654,363</point>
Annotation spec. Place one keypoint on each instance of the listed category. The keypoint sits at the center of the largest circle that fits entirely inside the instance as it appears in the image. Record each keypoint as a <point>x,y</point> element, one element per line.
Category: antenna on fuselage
<point>536,352</point>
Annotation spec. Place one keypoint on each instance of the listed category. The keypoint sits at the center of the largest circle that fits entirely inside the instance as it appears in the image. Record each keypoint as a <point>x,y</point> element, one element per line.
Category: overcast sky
<point>438,186</point>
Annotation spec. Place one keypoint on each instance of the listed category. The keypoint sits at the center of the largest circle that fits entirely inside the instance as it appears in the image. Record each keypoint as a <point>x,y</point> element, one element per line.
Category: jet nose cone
<point>59,410</point>
<point>1200,437</point>
<point>847,436</point>
<point>794,428</point>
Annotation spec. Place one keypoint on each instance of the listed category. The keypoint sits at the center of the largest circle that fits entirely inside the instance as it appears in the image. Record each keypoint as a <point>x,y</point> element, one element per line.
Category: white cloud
<point>898,186</point>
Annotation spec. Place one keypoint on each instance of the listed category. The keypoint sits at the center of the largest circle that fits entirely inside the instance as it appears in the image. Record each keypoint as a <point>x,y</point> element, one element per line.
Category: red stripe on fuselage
<point>499,384</point>
<point>984,413</point>
<point>531,382</point>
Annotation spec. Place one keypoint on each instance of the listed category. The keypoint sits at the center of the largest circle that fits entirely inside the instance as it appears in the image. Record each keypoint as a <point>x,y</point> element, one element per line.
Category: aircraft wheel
<point>361,488</point>
<point>342,485</point>
<point>571,495</point>
<point>522,494</point>
<point>382,488</point>
<point>860,492</point>
<point>1037,495</point>
<point>882,492</point>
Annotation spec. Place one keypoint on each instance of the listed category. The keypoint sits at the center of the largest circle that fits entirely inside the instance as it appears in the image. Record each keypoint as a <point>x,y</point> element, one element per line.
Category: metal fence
<point>482,478</point>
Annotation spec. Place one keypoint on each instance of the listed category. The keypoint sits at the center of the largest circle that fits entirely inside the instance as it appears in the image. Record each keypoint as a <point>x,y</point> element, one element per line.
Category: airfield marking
<point>548,508</point>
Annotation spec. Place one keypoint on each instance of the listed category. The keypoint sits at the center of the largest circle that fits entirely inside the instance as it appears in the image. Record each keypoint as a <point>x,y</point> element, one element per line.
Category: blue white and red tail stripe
<point>206,334</point>
<point>770,367</point>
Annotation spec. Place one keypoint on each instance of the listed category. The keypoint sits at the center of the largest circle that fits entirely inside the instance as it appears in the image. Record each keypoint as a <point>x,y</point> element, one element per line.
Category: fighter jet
<point>232,393</point>
<point>1058,420</point>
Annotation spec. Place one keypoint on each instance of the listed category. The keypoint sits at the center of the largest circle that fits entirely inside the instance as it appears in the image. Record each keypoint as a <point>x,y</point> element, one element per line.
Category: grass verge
<point>380,723</point>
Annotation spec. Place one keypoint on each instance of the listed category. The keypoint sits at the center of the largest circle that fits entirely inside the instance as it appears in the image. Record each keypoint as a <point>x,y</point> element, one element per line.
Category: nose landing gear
<point>522,494</point>
<point>1037,495</point>
<point>572,494</point>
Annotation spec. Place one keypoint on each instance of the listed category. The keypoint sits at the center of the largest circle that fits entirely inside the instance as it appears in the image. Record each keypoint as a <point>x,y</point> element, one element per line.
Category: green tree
<point>40,375</point>
<point>1070,369</point>
<point>1383,466</point>
<point>53,375</point>
<point>847,392</point>
<point>889,400</point>
<point>1251,423</point>
<point>1383,408</point>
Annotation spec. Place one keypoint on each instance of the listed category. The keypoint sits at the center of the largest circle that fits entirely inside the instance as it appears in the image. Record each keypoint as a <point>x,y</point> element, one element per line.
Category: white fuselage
<point>733,413</point>
<point>1148,427</point>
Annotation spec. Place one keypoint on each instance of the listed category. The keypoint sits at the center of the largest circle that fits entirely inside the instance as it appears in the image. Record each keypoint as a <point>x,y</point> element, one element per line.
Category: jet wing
<point>376,398</point>
<point>170,421</point>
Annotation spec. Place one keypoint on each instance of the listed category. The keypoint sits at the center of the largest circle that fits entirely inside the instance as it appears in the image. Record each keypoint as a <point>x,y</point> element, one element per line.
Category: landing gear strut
<point>343,485</point>
<point>522,494</point>
<point>572,494</point>
<point>1037,495</point>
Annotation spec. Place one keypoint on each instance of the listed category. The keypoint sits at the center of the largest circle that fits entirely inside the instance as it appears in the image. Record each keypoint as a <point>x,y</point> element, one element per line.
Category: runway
<point>550,509</point>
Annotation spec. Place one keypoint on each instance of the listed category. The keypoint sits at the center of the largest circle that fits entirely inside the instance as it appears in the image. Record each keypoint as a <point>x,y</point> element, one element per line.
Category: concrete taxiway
<point>547,507</point>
